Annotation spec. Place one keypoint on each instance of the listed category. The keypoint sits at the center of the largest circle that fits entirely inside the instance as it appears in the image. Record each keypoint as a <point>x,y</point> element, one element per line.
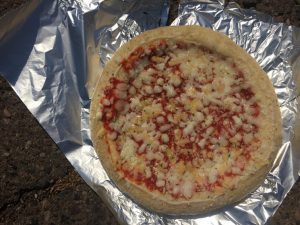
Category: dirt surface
<point>37,183</point>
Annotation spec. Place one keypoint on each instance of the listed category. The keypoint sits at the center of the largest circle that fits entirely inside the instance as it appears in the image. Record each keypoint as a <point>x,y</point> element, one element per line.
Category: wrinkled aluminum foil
<point>49,54</point>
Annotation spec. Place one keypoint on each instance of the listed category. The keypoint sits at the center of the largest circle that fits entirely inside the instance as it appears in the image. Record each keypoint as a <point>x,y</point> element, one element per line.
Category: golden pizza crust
<point>270,122</point>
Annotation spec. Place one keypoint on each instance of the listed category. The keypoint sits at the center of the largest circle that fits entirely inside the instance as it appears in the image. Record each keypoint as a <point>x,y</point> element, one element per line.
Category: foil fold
<point>53,52</point>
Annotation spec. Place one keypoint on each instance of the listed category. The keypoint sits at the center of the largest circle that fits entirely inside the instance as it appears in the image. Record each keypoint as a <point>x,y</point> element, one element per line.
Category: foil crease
<point>48,54</point>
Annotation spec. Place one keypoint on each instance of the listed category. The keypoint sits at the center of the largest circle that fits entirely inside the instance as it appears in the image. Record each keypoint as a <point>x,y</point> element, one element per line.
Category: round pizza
<point>184,121</point>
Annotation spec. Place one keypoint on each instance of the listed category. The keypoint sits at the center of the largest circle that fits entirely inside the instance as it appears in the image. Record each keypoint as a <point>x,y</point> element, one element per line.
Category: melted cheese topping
<point>184,120</point>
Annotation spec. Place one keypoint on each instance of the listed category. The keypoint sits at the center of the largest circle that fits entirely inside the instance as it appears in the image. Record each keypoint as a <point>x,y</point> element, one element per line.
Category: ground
<point>37,183</point>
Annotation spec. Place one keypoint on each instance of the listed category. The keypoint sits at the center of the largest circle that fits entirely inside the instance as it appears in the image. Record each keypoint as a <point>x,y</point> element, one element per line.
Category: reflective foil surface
<point>52,53</point>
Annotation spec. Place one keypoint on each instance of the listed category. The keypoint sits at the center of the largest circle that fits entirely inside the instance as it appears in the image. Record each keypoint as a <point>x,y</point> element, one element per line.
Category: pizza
<point>184,121</point>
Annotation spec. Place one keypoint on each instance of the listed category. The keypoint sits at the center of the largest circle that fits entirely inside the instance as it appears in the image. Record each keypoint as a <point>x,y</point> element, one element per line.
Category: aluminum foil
<point>48,53</point>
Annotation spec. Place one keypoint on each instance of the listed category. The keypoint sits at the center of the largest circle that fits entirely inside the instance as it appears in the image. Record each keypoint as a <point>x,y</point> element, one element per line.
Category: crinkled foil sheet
<point>52,52</point>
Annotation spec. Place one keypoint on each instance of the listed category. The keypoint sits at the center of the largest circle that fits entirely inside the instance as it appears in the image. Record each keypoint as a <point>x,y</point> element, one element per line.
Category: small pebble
<point>27,145</point>
<point>297,215</point>
<point>6,112</point>
<point>6,120</point>
<point>45,203</point>
<point>47,216</point>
